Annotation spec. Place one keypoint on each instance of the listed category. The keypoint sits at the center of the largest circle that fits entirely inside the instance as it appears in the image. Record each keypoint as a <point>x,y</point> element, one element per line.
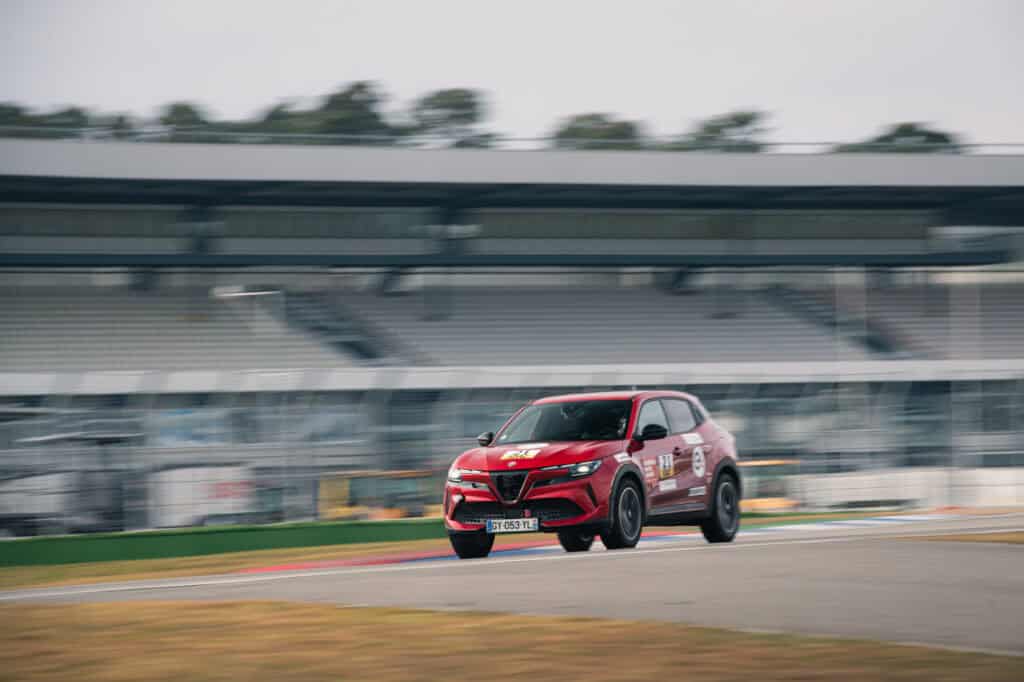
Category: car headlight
<point>455,474</point>
<point>584,468</point>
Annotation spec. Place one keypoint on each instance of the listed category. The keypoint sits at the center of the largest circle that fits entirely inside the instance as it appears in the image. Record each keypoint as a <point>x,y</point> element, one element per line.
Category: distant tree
<point>906,138</point>
<point>71,117</point>
<point>12,114</point>
<point>121,127</point>
<point>736,131</point>
<point>356,110</point>
<point>182,115</point>
<point>453,115</point>
<point>285,118</point>
<point>279,114</point>
<point>597,131</point>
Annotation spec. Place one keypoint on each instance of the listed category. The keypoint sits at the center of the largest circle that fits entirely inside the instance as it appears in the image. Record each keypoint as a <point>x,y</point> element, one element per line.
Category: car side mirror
<point>653,432</point>
<point>485,438</point>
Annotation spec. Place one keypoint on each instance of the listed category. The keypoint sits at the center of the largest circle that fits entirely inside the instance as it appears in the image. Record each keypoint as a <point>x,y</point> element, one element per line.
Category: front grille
<point>479,512</point>
<point>555,509</point>
<point>545,510</point>
<point>509,485</point>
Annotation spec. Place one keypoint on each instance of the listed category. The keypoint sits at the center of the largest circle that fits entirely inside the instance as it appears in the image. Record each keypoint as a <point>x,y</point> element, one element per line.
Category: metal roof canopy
<point>961,189</point>
<point>994,205</point>
<point>34,170</point>
<point>304,164</point>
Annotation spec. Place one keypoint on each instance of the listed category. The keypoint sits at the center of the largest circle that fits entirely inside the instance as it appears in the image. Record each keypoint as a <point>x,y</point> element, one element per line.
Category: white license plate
<point>511,525</point>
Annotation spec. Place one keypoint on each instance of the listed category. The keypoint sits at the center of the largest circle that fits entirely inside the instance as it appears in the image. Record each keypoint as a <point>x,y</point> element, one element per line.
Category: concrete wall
<point>919,486</point>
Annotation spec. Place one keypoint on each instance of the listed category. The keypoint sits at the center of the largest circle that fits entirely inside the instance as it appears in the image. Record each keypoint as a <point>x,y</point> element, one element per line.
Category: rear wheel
<point>627,517</point>
<point>575,540</point>
<point>472,545</point>
<point>724,521</point>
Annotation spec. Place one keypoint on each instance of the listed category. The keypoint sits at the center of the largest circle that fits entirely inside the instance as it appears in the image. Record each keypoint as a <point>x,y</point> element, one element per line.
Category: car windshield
<point>575,420</point>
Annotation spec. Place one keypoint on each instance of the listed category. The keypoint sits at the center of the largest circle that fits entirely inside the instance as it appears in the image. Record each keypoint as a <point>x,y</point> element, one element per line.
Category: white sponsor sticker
<point>693,438</point>
<point>667,484</point>
<point>521,454</point>
<point>649,472</point>
<point>622,457</point>
<point>699,464</point>
<point>698,491</point>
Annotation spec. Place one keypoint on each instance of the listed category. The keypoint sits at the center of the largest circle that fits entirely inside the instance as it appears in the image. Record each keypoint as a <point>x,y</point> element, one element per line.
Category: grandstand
<point>300,310</point>
<point>63,329</point>
<point>73,329</point>
<point>54,329</point>
<point>598,325</point>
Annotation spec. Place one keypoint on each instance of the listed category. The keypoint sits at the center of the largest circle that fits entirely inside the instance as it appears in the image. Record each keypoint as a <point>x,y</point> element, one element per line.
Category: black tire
<point>472,545</point>
<point>575,540</point>
<point>724,521</point>
<point>627,517</point>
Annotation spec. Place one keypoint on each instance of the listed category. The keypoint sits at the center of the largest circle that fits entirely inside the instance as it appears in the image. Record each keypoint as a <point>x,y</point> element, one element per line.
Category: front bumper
<point>550,496</point>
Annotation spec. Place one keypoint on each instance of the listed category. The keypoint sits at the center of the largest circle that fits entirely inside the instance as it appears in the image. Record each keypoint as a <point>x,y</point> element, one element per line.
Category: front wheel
<point>724,521</point>
<point>573,540</point>
<point>472,545</point>
<point>627,517</point>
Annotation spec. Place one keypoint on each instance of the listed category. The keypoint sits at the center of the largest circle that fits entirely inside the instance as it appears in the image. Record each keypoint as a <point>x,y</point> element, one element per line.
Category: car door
<point>658,457</point>
<point>691,463</point>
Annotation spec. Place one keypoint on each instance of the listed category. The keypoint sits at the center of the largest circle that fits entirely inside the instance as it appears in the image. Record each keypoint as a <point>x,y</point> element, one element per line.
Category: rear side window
<point>651,413</point>
<point>680,415</point>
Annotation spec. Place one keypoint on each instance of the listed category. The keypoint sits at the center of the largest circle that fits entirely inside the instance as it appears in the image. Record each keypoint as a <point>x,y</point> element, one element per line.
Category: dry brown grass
<point>222,641</point>
<point>1012,538</point>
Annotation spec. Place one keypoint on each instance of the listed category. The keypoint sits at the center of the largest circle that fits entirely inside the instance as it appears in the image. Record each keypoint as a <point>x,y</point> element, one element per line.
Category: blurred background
<point>864,351</point>
<point>307,312</point>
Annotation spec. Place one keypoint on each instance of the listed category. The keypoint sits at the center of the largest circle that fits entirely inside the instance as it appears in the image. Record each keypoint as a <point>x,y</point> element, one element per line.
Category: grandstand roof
<point>46,170</point>
<point>961,189</point>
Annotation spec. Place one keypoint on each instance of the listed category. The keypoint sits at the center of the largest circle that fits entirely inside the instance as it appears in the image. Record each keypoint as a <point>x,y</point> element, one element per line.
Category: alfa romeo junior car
<point>596,464</point>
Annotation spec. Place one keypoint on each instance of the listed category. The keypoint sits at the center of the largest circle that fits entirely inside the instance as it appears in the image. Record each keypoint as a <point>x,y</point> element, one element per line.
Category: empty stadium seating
<point>954,321</point>
<point>614,325</point>
<point>64,329</point>
<point>69,329</point>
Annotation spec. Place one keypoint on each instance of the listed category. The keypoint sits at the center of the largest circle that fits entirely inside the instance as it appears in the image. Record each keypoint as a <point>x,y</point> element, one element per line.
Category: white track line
<point>414,566</point>
<point>56,593</point>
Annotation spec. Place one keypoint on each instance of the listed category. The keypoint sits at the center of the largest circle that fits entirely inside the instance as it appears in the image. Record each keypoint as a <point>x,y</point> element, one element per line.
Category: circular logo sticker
<point>699,465</point>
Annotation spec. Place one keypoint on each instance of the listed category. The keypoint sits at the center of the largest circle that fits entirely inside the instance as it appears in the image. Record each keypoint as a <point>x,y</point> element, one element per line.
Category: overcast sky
<point>825,69</point>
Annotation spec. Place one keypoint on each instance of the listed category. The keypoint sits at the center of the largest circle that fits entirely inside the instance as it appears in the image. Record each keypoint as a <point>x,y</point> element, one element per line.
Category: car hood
<point>537,455</point>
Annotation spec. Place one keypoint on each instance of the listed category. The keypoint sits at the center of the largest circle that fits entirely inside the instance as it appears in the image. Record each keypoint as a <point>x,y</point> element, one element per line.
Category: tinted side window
<point>680,414</point>
<point>651,413</point>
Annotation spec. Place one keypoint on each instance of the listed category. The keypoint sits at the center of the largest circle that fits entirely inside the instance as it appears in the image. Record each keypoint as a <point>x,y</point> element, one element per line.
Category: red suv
<point>596,464</point>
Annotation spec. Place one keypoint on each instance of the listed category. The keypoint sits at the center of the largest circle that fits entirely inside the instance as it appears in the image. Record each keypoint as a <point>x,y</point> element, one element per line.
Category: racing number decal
<point>699,463</point>
<point>521,454</point>
<point>666,466</point>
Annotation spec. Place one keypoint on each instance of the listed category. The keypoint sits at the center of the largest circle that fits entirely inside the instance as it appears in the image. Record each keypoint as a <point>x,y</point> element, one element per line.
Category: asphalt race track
<point>855,579</point>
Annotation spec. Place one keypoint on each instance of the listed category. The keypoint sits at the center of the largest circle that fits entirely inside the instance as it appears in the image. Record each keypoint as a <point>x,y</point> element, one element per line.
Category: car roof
<point>612,395</point>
